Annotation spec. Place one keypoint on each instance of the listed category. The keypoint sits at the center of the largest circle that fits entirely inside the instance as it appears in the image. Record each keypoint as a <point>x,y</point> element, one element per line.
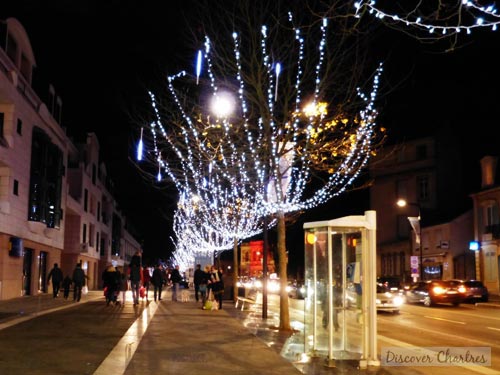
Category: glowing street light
<point>418,234</point>
<point>222,104</point>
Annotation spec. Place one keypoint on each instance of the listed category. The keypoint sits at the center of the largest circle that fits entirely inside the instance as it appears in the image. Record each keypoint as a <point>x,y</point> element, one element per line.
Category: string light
<point>483,16</point>
<point>218,160</point>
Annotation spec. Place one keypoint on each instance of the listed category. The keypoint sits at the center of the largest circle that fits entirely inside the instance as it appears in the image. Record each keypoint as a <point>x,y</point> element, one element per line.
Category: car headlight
<point>397,301</point>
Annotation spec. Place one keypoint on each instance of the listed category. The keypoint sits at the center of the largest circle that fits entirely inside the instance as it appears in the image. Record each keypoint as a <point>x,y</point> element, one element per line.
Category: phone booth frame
<point>341,320</point>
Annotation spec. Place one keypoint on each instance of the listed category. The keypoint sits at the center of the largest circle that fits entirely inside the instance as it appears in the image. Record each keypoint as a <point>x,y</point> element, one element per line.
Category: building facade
<point>425,172</point>
<point>487,225</point>
<point>54,203</point>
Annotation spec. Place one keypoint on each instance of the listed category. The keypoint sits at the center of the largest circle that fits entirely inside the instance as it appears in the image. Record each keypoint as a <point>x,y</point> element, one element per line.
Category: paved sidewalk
<point>181,338</point>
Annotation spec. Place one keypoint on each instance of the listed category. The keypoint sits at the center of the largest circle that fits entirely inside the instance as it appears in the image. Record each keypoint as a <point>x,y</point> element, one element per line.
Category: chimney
<point>488,171</point>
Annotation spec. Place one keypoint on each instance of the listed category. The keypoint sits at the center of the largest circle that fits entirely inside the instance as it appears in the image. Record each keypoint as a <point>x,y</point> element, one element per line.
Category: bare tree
<point>283,158</point>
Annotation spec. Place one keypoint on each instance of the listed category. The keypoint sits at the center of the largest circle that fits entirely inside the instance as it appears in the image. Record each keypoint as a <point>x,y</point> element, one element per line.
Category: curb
<point>490,305</point>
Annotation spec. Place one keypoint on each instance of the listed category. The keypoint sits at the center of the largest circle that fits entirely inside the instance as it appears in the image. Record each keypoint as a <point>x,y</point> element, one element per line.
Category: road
<point>441,326</point>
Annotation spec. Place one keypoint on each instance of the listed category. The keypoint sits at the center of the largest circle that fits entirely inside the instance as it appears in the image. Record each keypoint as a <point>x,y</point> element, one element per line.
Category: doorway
<point>27,262</point>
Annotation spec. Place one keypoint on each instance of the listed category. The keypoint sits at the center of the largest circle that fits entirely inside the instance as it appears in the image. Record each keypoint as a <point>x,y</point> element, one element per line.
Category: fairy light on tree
<point>443,19</point>
<point>270,149</point>
<point>258,160</point>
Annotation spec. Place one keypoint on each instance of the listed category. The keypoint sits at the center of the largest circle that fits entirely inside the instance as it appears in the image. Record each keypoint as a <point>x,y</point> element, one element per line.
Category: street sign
<point>414,266</point>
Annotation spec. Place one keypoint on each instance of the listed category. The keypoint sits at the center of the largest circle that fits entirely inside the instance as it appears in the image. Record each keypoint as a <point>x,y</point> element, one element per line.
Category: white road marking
<point>117,361</point>
<point>444,320</point>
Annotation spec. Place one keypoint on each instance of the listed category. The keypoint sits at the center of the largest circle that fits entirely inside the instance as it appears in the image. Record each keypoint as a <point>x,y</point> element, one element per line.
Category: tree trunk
<point>235,269</point>
<point>283,261</point>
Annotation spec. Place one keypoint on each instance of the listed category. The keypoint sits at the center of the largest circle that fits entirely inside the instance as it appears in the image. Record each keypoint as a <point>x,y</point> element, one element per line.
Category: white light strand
<point>223,185</point>
<point>483,16</point>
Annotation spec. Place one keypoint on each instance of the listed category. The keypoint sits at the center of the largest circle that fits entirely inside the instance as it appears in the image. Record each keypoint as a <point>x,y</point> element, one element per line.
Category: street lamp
<point>418,234</point>
<point>222,104</point>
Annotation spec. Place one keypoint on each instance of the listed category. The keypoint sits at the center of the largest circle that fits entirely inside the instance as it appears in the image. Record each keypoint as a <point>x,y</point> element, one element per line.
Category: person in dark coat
<point>56,276</point>
<point>205,277</point>
<point>217,285</point>
<point>146,280</point>
<point>198,278</point>
<point>78,282</point>
<point>135,276</point>
<point>158,280</point>
<point>176,278</point>
<point>111,282</point>
<point>66,284</point>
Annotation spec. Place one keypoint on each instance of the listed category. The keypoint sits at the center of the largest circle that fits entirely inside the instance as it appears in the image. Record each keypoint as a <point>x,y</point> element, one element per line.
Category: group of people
<point>77,280</point>
<point>208,284</point>
<point>138,279</point>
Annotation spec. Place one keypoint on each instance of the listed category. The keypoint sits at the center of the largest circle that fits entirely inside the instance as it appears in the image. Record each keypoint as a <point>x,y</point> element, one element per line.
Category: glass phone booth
<point>340,276</point>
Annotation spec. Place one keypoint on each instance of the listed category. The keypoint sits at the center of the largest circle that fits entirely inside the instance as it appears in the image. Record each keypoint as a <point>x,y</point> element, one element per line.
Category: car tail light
<point>461,289</point>
<point>438,290</point>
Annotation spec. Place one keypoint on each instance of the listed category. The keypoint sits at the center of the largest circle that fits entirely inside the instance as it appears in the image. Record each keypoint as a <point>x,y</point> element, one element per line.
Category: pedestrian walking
<point>157,279</point>
<point>198,278</point>
<point>176,278</point>
<point>146,279</point>
<point>123,286</point>
<point>135,276</point>
<point>56,276</point>
<point>78,282</point>
<point>111,282</point>
<point>66,284</point>
<point>217,285</point>
<point>203,287</point>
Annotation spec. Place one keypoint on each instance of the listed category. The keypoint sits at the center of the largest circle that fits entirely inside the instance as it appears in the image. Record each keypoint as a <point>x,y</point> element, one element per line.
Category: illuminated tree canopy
<point>296,119</point>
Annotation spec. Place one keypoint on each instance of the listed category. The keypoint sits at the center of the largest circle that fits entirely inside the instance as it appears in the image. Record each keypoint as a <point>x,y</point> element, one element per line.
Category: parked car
<point>388,300</point>
<point>475,291</point>
<point>433,292</point>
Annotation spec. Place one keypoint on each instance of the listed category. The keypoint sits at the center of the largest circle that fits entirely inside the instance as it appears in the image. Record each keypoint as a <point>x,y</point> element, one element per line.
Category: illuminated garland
<point>483,16</point>
<point>216,162</point>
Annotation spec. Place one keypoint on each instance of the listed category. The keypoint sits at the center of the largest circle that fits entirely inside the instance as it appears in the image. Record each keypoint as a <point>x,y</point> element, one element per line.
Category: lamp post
<point>418,235</point>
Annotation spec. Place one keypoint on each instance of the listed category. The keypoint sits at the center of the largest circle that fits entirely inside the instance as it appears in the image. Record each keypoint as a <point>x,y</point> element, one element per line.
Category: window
<point>91,234</point>
<point>491,212</point>
<point>19,127</point>
<point>423,188</point>
<point>45,189</point>
<point>116,233</point>
<point>85,200</point>
<point>2,118</point>
<point>98,211</point>
<point>15,190</point>
<point>491,218</point>
<point>92,204</point>
<point>84,233</point>
<point>94,174</point>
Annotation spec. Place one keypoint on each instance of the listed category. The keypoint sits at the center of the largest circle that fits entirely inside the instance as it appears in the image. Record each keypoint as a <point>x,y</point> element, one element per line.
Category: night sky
<point>102,56</point>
